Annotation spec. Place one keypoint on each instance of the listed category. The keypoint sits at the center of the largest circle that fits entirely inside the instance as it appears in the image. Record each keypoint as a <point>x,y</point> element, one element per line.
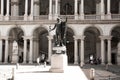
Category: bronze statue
<point>60,37</point>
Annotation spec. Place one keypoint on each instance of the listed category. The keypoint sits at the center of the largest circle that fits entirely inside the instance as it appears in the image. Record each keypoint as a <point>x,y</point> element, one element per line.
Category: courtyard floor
<point>36,72</point>
<point>72,72</point>
<point>103,72</point>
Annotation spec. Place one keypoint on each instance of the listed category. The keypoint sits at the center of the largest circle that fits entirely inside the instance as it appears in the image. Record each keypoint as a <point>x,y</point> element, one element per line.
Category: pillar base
<point>102,16</point>
<point>82,64</point>
<point>102,63</point>
<point>30,62</point>
<point>109,63</point>
<point>14,58</point>
<point>76,62</point>
<point>82,16</point>
<point>31,17</point>
<point>108,16</point>
<point>6,17</point>
<point>55,16</point>
<point>76,16</point>
<point>25,17</point>
<point>50,16</point>
<point>1,17</point>
<point>24,62</point>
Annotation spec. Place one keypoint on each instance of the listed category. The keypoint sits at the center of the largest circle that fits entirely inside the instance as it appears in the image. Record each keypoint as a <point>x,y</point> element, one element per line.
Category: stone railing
<point>41,17</point>
<point>115,16</point>
<point>16,18</point>
<point>70,17</point>
<point>92,17</point>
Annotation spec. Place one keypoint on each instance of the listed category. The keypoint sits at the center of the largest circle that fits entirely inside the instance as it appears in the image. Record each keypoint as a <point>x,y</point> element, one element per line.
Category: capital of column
<point>50,37</point>
<point>105,37</point>
<point>36,2</point>
<point>14,3</point>
<point>4,37</point>
<point>108,37</point>
<point>28,37</point>
<point>79,37</point>
<point>82,37</point>
<point>76,37</point>
<point>102,37</point>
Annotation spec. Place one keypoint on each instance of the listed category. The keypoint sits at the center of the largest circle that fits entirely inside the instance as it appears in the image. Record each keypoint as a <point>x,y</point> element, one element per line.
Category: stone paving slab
<point>41,73</point>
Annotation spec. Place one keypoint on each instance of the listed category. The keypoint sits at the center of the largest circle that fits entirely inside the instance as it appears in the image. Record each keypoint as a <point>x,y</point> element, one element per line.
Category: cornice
<point>54,21</point>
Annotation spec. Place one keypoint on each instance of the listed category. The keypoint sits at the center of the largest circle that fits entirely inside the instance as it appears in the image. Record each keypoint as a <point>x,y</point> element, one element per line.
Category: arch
<point>115,33</point>
<point>71,29</point>
<point>92,43</point>
<point>16,35</point>
<point>42,27</point>
<point>15,26</point>
<point>40,43</point>
<point>115,26</point>
<point>97,27</point>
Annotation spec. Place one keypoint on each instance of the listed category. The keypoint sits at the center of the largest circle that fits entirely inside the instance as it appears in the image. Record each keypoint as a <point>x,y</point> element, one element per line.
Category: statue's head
<point>59,19</point>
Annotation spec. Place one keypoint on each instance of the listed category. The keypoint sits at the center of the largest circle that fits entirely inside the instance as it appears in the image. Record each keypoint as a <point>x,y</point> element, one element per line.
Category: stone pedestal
<point>15,52</point>
<point>14,58</point>
<point>59,60</point>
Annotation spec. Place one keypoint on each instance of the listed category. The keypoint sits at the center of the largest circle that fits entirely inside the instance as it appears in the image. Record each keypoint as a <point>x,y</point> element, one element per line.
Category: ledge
<point>54,21</point>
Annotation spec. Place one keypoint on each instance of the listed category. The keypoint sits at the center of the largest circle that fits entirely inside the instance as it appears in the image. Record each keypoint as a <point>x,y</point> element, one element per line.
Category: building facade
<point>93,29</point>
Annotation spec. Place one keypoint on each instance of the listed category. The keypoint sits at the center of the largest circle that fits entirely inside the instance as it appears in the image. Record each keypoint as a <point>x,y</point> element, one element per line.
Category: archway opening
<point>16,36</point>
<point>92,44</point>
<point>40,43</point>
<point>115,44</point>
<point>70,46</point>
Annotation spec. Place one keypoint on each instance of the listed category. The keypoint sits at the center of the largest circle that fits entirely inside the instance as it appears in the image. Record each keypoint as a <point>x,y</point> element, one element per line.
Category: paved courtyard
<point>102,72</point>
<point>32,72</point>
<point>73,72</point>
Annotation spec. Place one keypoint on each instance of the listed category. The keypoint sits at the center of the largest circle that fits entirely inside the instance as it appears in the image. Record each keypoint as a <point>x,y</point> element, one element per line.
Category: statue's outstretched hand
<point>50,29</point>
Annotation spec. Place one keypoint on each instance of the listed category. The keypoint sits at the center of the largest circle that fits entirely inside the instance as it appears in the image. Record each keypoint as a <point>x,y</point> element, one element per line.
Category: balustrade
<point>70,17</point>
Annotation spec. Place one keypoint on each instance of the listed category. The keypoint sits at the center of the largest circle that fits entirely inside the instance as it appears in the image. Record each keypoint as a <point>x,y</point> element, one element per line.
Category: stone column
<point>109,50</point>
<point>102,9</point>
<point>50,9</point>
<point>10,49</point>
<point>102,50</point>
<point>76,9</point>
<point>82,50</point>
<point>53,8</point>
<point>75,49</point>
<point>0,50</point>
<point>6,50</point>
<point>31,50</point>
<point>97,7</point>
<point>25,50</point>
<point>56,9</point>
<point>8,10</point>
<point>14,8</point>
<point>49,47</point>
<point>36,8</point>
<point>31,10</point>
<point>108,9</point>
<point>26,10</point>
<point>2,9</point>
<point>82,10</point>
